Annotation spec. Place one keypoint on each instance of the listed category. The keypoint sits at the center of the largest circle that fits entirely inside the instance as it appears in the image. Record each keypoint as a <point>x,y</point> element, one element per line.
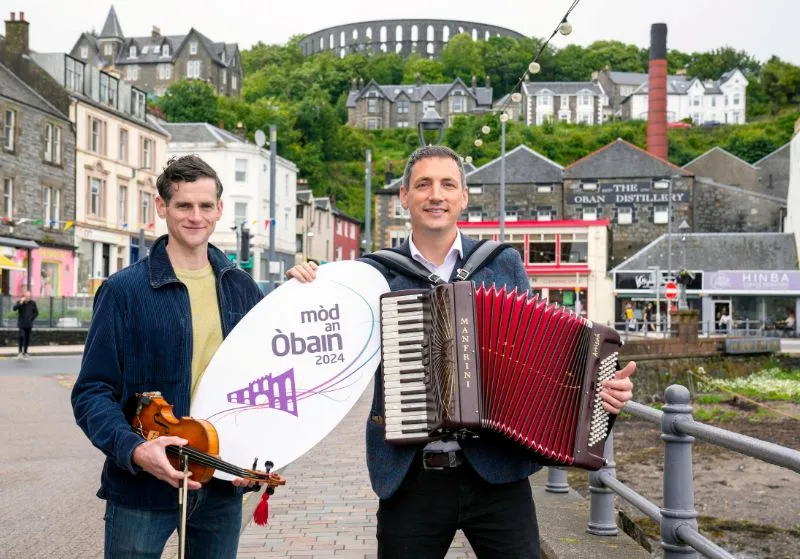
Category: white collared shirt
<point>444,271</point>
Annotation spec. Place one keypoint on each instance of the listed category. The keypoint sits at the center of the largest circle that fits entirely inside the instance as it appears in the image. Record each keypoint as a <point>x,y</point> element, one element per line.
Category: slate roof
<point>627,78</point>
<point>561,88</point>
<point>304,196</point>
<point>680,84</point>
<point>199,133</point>
<point>147,55</point>
<point>719,251</point>
<point>774,170</point>
<point>621,159</point>
<point>112,28</point>
<point>482,95</point>
<point>12,87</point>
<point>523,166</point>
<point>717,149</point>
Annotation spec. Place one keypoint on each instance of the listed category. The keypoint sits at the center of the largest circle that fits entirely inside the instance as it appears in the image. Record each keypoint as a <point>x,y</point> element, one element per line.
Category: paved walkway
<point>327,508</point>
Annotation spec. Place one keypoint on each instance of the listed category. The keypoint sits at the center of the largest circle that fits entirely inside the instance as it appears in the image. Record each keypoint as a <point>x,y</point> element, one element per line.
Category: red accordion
<point>459,359</point>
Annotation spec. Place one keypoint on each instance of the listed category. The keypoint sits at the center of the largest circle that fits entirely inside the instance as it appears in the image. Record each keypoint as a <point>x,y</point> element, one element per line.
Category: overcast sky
<point>761,27</point>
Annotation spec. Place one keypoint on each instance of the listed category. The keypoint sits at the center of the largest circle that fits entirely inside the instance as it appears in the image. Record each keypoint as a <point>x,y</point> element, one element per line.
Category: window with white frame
<point>132,72</point>
<point>661,184</point>
<point>714,101</point>
<point>457,104</point>
<point>192,68</point>
<point>512,215</point>
<point>156,49</point>
<point>148,156</point>
<point>239,213</point>
<point>564,102</point>
<point>132,51</point>
<point>736,117</point>
<point>585,118</point>
<point>74,75</point>
<point>589,186</point>
<point>122,208</point>
<point>625,215</point>
<point>660,214</point>
<point>544,213</point>
<point>8,197</point>
<point>84,52</point>
<point>736,98</point>
<point>95,135</point>
<point>399,210</point>
<point>428,104</point>
<point>695,101</point>
<point>402,106</point>
<point>402,124</point>
<point>193,47</point>
<point>589,214</point>
<point>224,75</point>
<point>372,124</point>
<point>586,100</point>
<point>52,143</point>
<point>338,253</point>
<point>475,215</point>
<point>138,103</point>
<point>10,130</point>
<point>165,49</point>
<point>545,100</point>
<point>396,238</point>
<point>108,89</point>
<point>544,188</point>
<point>165,71</point>
<point>146,215</point>
<point>372,105</point>
<point>95,196</point>
<point>52,206</point>
<point>234,82</point>
<point>240,170</point>
<point>123,144</point>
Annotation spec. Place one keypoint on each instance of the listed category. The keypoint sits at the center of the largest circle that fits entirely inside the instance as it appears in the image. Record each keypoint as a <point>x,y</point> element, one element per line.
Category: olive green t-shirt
<point>206,325</point>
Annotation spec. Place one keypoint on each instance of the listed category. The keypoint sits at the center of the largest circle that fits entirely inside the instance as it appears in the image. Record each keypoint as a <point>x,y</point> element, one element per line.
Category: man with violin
<point>156,325</point>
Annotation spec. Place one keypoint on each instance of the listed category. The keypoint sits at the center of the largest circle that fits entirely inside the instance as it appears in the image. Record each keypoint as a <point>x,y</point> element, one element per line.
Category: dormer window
<point>156,49</point>
<point>132,51</point>
<point>223,57</point>
<point>193,47</point>
<point>165,49</point>
<point>108,49</point>
<point>84,52</point>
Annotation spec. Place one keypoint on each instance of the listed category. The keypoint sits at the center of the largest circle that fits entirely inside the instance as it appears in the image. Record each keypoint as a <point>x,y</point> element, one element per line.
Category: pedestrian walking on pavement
<point>27,311</point>
<point>480,485</point>
<point>156,325</point>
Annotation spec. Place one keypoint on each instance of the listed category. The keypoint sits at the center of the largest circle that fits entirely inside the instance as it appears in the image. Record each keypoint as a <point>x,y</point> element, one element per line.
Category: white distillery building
<point>244,170</point>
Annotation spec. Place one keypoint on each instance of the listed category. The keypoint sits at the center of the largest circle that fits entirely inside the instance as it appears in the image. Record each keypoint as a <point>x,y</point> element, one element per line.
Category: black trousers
<point>421,519</point>
<point>24,339</point>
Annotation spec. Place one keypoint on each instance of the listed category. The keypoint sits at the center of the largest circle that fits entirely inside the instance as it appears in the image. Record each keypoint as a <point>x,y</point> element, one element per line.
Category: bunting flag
<point>68,225</point>
<point>36,221</point>
<point>151,225</point>
<point>266,224</point>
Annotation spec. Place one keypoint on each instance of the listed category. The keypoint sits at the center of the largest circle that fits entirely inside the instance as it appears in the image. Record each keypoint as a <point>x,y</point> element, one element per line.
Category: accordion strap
<point>483,253</point>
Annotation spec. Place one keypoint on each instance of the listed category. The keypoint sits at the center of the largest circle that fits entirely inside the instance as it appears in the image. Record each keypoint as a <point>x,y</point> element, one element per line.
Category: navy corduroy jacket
<point>140,340</point>
<point>495,460</point>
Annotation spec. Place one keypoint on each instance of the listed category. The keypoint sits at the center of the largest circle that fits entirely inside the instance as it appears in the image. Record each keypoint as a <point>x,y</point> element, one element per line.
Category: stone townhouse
<point>375,106</point>
<point>533,186</point>
<point>315,225</point>
<point>37,175</point>
<point>152,63</point>
<point>629,187</point>
<point>576,102</point>
<point>773,169</point>
<point>730,194</point>
<point>119,151</point>
<point>346,235</point>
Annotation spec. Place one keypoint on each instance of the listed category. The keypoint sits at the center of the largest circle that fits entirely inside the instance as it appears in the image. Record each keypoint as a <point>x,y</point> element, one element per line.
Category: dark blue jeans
<point>213,524</point>
<point>421,519</point>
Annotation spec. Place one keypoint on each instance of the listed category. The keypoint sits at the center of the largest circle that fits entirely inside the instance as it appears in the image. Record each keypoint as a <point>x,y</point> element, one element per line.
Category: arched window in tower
<point>383,34</point>
<point>355,35</point>
<point>332,44</point>
<point>368,33</point>
<point>414,33</point>
<point>341,39</point>
<point>474,34</point>
<point>430,33</point>
<point>398,33</point>
<point>445,33</point>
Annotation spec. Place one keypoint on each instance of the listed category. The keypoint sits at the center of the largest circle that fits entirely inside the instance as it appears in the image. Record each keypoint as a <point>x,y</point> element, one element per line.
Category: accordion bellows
<point>460,359</point>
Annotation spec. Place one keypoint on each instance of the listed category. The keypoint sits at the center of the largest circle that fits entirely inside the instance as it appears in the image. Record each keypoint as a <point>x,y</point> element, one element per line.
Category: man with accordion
<point>429,488</point>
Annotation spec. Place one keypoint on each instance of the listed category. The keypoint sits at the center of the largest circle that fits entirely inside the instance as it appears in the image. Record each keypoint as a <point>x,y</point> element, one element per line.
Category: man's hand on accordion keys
<point>618,390</point>
<point>303,272</point>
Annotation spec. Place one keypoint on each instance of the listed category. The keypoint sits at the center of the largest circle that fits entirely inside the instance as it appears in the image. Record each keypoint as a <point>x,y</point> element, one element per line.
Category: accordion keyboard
<point>598,429</point>
<point>405,358</point>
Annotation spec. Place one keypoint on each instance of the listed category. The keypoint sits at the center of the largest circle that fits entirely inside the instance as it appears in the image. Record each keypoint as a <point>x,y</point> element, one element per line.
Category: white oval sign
<point>294,366</point>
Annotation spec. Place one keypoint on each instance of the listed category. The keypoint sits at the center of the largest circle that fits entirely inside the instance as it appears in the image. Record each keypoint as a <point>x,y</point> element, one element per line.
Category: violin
<point>154,418</point>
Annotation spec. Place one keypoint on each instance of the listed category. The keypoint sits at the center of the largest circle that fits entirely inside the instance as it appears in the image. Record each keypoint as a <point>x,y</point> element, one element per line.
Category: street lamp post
<point>684,228</point>
<point>368,203</point>
<point>430,121</point>
<point>657,288</point>
<point>670,277</point>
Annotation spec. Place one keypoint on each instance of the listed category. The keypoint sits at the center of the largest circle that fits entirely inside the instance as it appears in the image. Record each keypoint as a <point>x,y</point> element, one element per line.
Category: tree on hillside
<point>261,55</point>
<point>385,69</point>
<point>189,101</point>
<point>428,70</point>
<point>781,82</point>
<point>712,64</point>
<point>461,58</point>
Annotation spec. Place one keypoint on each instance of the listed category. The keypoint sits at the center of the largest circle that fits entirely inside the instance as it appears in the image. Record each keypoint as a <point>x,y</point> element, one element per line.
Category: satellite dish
<point>261,138</point>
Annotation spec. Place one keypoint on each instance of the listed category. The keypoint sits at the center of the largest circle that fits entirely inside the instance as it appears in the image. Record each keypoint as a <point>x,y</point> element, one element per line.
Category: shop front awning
<point>7,264</point>
<point>17,243</point>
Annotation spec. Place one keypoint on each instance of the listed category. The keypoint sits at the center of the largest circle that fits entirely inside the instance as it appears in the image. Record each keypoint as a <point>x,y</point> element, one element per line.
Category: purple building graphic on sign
<point>273,392</point>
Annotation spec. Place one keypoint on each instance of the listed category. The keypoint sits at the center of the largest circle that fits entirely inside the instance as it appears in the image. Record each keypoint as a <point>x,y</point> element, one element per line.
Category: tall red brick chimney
<point>657,93</point>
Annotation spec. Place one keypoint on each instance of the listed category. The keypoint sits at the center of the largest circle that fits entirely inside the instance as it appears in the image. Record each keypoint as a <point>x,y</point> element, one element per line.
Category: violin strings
<point>208,460</point>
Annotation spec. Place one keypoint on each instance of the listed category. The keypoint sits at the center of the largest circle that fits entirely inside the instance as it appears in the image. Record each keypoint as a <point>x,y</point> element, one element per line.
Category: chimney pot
<point>13,16</point>
<point>22,16</point>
